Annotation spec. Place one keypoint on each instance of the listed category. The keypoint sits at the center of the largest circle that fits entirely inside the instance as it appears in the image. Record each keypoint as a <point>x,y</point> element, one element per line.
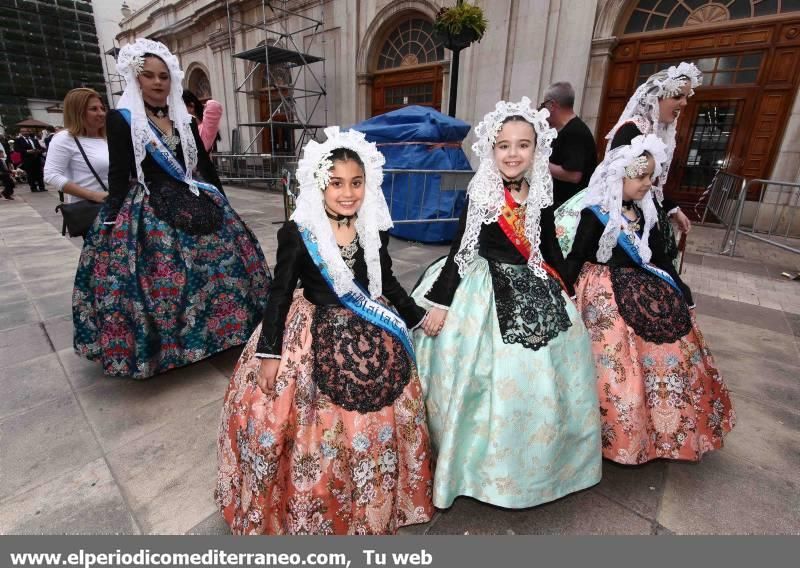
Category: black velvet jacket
<point>584,249</point>
<point>293,262</point>
<point>493,244</point>
<point>122,167</point>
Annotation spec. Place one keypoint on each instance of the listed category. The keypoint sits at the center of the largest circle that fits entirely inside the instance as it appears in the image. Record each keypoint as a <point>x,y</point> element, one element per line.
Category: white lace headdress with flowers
<point>129,64</point>
<point>605,190</point>
<point>642,110</point>
<point>313,174</point>
<point>485,190</point>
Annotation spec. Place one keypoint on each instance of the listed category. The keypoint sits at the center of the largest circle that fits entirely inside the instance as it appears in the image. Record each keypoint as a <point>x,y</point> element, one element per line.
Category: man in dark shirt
<point>574,155</point>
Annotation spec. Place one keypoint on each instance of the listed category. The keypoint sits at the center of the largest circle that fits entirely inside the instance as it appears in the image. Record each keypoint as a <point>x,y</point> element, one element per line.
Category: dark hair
<point>518,118</point>
<point>190,97</point>
<point>344,154</point>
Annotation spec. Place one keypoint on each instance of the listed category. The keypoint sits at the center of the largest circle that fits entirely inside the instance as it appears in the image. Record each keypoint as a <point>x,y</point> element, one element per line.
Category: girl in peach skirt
<point>661,395</point>
<point>323,427</point>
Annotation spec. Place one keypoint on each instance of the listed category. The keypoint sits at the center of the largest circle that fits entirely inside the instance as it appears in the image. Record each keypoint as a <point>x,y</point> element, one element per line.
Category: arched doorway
<point>408,67</point>
<point>749,52</point>
<point>199,84</point>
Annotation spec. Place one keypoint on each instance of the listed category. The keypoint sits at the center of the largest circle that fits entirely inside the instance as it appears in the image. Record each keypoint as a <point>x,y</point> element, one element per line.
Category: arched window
<point>199,84</point>
<point>410,43</point>
<point>654,15</point>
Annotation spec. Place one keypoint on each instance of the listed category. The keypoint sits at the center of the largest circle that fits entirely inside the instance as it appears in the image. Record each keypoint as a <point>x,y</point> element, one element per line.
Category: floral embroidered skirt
<point>149,298</point>
<point>296,462</point>
<point>511,426</point>
<point>663,400</point>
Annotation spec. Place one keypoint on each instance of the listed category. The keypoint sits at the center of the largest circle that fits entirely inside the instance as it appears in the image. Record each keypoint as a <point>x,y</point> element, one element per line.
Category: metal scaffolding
<point>294,91</point>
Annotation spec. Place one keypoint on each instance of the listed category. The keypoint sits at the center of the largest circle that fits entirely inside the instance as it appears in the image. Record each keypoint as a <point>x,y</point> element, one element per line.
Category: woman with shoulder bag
<point>77,160</point>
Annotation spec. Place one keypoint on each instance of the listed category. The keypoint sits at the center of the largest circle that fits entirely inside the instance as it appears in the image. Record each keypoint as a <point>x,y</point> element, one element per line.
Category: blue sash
<point>633,252</point>
<point>360,303</point>
<point>164,157</point>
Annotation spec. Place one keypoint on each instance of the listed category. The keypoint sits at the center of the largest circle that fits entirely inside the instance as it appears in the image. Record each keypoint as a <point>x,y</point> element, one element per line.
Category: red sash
<point>512,221</point>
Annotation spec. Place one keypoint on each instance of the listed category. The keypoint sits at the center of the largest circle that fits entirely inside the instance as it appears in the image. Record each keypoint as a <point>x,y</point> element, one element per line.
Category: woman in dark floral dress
<point>169,273</point>
<point>323,427</point>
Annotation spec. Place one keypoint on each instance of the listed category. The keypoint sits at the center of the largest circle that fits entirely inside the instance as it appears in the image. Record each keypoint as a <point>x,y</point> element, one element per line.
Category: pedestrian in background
<point>574,156</point>
<point>206,115</point>
<point>77,161</point>
<point>27,144</point>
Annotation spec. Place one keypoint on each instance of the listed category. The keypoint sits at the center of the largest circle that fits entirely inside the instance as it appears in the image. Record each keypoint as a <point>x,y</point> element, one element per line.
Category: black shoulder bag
<point>79,216</point>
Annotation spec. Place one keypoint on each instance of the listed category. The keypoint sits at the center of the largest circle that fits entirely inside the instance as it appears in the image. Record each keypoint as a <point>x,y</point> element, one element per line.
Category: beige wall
<point>529,44</point>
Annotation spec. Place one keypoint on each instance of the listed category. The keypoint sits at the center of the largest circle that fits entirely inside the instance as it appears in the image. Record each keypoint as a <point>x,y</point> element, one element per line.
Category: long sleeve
<point>57,164</point>
<point>212,113</point>
<point>284,281</point>
<point>408,309</point>
<point>550,249</point>
<point>121,166</point>
<point>662,261</point>
<point>584,248</point>
<point>443,290</point>
<point>204,164</point>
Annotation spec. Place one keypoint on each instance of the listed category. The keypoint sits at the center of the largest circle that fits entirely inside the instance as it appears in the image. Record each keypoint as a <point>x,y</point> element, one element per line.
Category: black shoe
<point>43,189</point>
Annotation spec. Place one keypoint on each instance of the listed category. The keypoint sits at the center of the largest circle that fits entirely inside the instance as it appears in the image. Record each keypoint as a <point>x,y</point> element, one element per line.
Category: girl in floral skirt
<point>323,427</point>
<point>661,396</point>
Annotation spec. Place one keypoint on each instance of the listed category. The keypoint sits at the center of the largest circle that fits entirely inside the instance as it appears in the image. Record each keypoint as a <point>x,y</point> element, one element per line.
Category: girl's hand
<point>267,372</point>
<point>434,321</point>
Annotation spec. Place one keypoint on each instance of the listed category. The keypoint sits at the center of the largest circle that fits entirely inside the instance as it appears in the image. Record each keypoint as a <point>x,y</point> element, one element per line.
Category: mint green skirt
<point>512,426</point>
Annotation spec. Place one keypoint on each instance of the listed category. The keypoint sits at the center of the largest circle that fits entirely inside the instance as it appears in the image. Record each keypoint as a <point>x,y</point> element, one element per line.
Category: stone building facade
<point>379,54</point>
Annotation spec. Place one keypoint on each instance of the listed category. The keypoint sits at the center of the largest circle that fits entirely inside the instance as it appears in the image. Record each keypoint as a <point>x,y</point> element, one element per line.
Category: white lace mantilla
<point>129,62</point>
<point>642,110</point>
<point>485,191</point>
<point>373,216</point>
<point>605,191</point>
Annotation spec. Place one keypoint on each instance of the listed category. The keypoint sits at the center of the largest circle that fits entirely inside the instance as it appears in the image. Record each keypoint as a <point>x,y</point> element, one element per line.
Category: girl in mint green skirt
<point>509,379</point>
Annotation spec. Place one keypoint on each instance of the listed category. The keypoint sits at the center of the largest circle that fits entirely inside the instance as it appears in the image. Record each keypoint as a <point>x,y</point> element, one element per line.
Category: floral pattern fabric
<point>294,462</point>
<point>512,426</point>
<point>149,297</point>
<point>656,400</point>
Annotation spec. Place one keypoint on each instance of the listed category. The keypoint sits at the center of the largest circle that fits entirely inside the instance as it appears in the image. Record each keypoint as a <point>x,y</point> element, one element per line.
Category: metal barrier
<point>722,197</point>
<point>777,213</point>
<point>258,170</point>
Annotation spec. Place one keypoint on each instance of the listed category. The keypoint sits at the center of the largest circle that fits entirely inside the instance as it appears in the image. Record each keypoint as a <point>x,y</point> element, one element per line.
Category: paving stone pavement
<point>83,453</point>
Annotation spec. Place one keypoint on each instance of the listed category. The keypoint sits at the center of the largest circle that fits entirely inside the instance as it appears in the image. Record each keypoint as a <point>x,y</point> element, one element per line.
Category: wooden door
<point>277,139</point>
<point>396,89</point>
<point>712,135</point>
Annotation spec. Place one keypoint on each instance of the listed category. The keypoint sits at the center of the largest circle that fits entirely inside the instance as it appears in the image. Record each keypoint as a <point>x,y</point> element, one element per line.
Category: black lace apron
<point>530,311</point>
<point>357,364</point>
<point>650,306</point>
<point>173,203</point>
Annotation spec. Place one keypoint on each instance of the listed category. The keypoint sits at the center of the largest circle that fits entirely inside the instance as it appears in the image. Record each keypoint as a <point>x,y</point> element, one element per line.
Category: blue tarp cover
<point>407,139</point>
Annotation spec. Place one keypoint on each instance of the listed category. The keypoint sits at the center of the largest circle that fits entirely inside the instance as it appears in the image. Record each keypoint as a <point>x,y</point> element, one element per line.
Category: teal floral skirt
<point>149,297</point>
<point>511,425</point>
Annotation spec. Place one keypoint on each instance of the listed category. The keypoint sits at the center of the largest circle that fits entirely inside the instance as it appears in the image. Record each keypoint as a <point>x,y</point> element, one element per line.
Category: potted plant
<point>460,25</point>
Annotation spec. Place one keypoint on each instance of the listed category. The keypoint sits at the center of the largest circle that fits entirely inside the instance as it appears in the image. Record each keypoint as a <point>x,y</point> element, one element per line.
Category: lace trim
<point>373,216</point>
<point>530,311</point>
<point>485,190</point>
<point>651,307</point>
<point>358,365</point>
<point>605,190</point>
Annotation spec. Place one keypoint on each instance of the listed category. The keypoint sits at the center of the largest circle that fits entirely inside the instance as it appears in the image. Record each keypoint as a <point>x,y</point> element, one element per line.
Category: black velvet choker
<point>159,111</point>
<point>341,220</point>
<point>513,185</point>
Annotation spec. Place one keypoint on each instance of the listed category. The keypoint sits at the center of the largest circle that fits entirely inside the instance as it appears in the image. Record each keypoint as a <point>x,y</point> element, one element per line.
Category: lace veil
<point>642,110</point>
<point>485,190</point>
<point>605,190</point>
<point>313,175</point>
<point>129,64</point>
